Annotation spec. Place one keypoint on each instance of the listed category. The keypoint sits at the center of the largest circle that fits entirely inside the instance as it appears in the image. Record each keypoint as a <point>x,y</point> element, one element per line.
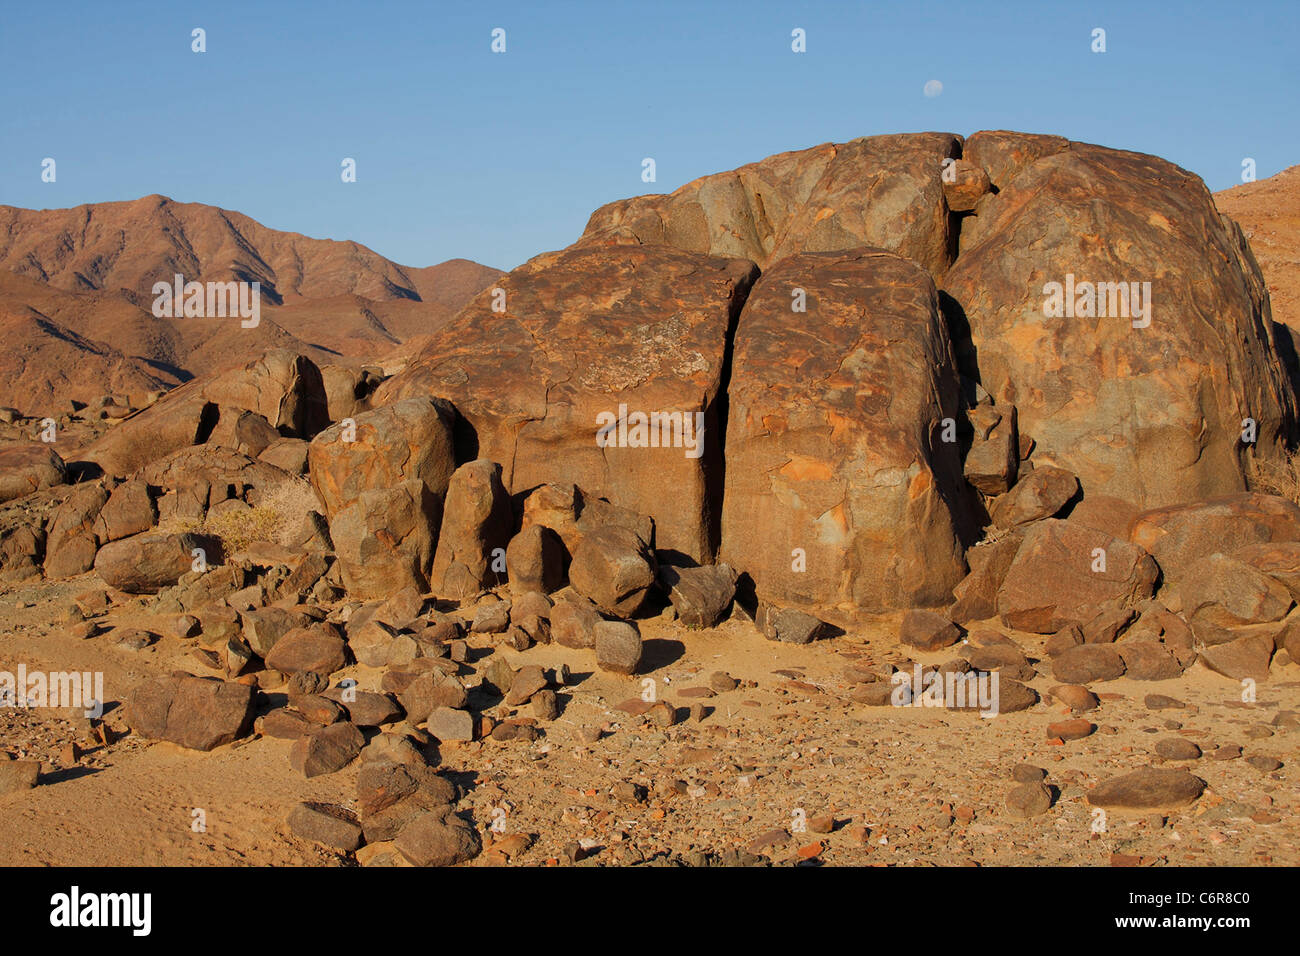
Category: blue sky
<point>497,157</point>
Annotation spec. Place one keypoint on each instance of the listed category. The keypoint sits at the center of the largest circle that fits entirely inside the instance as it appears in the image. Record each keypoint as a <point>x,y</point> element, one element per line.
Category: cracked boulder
<point>605,370</point>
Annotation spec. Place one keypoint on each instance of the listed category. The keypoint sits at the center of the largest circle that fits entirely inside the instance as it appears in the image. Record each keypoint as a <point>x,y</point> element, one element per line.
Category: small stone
<point>1266,764</point>
<point>1028,773</point>
<point>546,705</point>
<point>327,824</point>
<point>491,618</point>
<point>1161,702</point>
<point>434,840</point>
<point>1075,696</point>
<point>17,775</point>
<point>527,682</point>
<point>1029,800</point>
<point>720,682</point>
<point>630,793</point>
<point>447,724</point>
<point>1177,748</point>
<point>1075,729</point>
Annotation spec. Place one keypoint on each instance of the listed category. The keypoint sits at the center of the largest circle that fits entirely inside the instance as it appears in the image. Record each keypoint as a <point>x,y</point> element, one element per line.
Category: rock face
<point>28,468</point>
<point>883,191</point>
<point>835,437</point>
<point>598,340</point>
<point>1100,396</point>
<point>192,711</point>
<point>1063,572</point>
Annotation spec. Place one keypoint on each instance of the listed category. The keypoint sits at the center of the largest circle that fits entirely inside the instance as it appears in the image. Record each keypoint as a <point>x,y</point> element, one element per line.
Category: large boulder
<point>1040,494</point>
<point>147,563</point>
<point>840,487</point>
<point>1221,591</point>
<point>129,510</point>
<point>181,418</point>
<point>1179,536</point>
<point>384,540</point>
<point>614,569</point>
<point>1151,413</point>
<point>475,531</point>
<point>700,596</point>
<point>29,467</point>
<point>194,712</point>
<point>346,390</point>
<point>976,595</point>
<point>1063,572</point>
<point>883,191</point>
<point>605,370</point>
<point>400,455</point>
<point>536,560</point>
<point>282,386</point>
<point>407,440</point>
<point>71,545</point>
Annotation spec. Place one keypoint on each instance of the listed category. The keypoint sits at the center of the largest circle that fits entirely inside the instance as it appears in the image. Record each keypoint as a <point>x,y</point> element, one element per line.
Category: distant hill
<point>76,297</point>
<point>1269,212</point>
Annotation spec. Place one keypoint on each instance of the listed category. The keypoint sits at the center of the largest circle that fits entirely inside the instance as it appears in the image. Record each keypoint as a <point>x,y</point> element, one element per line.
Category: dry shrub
<point>277,517</point>
<point>1274,476</point>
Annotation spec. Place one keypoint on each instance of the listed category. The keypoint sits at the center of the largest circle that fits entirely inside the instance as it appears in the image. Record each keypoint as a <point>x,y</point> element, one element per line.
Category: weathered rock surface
<point>1099,395</point>
<point>1180,535</point>
<point>883,191</point>
<point>834,438</point>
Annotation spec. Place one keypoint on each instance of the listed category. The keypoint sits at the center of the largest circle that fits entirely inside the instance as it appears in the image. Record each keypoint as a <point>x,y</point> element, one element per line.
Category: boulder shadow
<point>659,652</point>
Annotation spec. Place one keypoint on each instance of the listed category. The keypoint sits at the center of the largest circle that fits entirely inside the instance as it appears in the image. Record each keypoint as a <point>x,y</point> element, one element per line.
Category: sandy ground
<point>758,774</point>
